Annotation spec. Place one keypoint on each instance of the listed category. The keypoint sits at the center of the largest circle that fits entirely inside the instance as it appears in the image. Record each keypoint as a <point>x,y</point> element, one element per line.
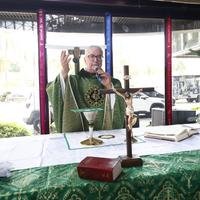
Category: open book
<point>172,132</point>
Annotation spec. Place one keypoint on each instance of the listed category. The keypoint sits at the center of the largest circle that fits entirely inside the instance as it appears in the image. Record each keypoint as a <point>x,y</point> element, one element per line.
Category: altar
<point>44,167</point>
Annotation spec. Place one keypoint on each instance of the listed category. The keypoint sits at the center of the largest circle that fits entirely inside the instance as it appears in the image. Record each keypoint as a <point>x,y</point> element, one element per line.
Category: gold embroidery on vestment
<point>93,97</point>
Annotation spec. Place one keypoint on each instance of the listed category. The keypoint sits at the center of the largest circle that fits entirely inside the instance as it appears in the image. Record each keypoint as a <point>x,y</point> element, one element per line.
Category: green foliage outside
<point>3,96</point>
<point>11,129</point>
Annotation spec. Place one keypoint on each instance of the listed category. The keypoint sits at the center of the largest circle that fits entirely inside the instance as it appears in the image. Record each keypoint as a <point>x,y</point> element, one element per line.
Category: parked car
<point>143,102</point>
<point>159,95</point>
<point>193,96</point>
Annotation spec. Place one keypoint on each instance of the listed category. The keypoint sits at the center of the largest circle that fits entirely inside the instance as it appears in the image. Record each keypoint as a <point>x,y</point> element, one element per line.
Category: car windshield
<point>154,94</point>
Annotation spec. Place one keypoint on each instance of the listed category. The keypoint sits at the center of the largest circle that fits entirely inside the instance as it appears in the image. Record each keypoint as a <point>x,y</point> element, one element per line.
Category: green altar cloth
<point>173,176</point>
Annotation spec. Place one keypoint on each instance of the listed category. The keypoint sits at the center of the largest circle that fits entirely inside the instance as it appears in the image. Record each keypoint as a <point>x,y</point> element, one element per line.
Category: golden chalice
<point>90,114</point>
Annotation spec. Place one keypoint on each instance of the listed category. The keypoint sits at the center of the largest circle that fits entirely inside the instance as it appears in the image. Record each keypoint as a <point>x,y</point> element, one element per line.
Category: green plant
<point>3,96</point>
<point>11,129</point>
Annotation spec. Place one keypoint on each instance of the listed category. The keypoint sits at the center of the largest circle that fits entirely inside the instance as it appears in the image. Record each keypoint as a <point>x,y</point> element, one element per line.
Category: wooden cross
<point>77,54</point>
<point>129,160</point>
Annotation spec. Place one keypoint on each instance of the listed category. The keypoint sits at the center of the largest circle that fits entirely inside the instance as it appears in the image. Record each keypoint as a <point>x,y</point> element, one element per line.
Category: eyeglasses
<point>92,57</point>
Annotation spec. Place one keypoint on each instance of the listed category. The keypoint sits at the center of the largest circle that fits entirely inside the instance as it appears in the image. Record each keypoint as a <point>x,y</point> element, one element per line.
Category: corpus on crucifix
<point>129,160</point>
<point>131,116</point>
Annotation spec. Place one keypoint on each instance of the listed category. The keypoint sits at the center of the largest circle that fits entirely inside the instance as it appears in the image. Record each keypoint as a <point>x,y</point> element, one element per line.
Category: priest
<point>82,90</point>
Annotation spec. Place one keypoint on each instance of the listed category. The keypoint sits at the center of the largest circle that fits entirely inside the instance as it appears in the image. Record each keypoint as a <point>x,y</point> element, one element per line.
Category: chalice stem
<point>91,133</point>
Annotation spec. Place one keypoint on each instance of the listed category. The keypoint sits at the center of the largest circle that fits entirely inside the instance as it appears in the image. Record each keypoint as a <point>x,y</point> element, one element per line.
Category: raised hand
<point>64,60</point>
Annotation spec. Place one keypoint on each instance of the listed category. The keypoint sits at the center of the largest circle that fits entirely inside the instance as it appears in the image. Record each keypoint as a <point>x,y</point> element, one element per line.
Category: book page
<point>166,130</point>
<point>193,126</point>
<point>173,133</point>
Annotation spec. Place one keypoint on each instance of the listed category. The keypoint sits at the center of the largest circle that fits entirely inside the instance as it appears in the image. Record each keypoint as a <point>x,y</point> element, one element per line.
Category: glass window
<point>186,69</point>
<point>19,98</point>
<point>64,32</point>
<point>139,43</point>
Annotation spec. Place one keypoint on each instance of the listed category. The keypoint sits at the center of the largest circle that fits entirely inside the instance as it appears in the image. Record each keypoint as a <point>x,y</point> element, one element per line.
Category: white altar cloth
<point>54,149</point>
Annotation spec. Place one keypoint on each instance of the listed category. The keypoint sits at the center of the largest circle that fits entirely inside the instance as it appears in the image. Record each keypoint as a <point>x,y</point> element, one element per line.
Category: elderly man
<point>69,92</point>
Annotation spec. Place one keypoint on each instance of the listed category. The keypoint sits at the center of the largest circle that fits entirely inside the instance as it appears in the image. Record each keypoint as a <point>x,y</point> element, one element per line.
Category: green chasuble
<point>82,91</point>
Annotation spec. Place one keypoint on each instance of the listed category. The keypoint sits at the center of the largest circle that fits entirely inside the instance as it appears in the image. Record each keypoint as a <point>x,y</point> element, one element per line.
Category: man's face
<point>93,59</point>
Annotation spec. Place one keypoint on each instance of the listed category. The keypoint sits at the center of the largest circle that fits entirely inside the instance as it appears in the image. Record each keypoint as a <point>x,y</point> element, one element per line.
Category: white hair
<point>90,48</point>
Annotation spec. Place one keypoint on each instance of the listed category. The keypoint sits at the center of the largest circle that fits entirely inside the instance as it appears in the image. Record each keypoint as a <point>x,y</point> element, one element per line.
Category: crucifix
<point>77,54</point>
<point>129,160</point>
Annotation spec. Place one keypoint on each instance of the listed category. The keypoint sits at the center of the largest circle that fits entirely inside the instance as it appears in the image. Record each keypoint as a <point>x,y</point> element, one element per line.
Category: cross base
<point>134,161</point>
